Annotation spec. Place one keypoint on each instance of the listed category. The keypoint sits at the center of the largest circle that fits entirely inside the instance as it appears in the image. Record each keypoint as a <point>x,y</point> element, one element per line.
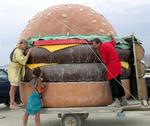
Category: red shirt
<point>110,58</point>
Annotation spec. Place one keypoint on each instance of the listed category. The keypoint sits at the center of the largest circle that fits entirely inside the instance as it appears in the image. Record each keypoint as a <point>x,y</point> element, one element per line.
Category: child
<point>34,102</point>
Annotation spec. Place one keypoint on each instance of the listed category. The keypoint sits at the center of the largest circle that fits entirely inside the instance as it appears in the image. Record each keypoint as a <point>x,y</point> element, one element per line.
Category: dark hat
<point>97,40</point>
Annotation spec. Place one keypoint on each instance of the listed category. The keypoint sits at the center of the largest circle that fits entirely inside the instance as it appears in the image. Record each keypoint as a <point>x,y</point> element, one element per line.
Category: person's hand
<point>111,36</point>
<point>30,50</point>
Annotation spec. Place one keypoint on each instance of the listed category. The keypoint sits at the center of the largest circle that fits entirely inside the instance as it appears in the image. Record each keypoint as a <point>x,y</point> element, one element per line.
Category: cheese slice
<point>125,64</point>
<point>32,66</point>
<point>53,48</point>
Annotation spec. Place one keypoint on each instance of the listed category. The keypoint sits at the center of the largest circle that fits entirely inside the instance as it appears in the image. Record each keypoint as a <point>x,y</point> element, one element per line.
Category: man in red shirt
<point>111,59</point>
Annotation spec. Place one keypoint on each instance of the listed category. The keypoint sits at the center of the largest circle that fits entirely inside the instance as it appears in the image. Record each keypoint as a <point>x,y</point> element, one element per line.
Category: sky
<point>126,16</point>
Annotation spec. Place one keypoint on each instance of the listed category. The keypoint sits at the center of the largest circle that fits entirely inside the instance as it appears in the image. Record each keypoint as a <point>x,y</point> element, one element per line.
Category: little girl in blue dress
<point>34,101</point>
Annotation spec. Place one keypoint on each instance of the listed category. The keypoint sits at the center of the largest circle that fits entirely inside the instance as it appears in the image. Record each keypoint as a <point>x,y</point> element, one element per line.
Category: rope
<point>96,56</point>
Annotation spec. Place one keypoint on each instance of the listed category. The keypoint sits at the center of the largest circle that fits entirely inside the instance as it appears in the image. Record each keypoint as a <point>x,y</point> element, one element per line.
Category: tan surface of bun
<point>67,19</point>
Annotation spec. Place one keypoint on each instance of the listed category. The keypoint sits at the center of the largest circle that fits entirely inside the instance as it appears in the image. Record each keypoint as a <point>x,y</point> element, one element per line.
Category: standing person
<point>16,69</point>
<point>111,59</point>
<point>34,101</point>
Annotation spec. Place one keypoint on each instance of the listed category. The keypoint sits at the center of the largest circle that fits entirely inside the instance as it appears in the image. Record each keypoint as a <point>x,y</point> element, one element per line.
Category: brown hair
<point>23,41</point>
<point>37,71</point>
<point>97,40</point>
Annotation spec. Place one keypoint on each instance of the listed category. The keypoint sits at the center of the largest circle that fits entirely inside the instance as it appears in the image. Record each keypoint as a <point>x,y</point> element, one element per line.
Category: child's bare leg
<point>25,119</point>
<point>37,119</point>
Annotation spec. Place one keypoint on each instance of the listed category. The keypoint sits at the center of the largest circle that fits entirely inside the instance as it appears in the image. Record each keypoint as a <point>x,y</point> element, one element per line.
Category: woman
<point>16,69</point>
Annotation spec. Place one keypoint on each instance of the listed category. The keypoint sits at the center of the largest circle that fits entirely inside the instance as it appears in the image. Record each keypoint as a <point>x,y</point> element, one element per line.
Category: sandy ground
<point>136,118</point>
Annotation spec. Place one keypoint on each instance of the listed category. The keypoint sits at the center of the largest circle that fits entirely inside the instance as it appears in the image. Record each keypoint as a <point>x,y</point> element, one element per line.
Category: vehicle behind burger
<point>4,88</point>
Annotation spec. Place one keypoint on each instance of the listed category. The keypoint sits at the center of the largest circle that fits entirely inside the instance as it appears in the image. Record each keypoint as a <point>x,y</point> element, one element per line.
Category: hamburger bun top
<point>67,19</point>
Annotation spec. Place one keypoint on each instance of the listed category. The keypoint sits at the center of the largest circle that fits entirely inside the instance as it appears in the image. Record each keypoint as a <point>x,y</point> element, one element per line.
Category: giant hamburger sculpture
<point>73,72</point>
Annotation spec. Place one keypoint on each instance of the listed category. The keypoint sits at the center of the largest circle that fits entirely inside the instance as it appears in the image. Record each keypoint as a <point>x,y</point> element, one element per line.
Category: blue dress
<point>34,103</point>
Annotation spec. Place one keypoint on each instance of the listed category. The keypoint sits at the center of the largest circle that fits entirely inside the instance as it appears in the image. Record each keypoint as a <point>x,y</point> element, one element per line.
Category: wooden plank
<point>135,64</point>
<point>104,109</point>
<point>142,91</point>
<point>136,108</point>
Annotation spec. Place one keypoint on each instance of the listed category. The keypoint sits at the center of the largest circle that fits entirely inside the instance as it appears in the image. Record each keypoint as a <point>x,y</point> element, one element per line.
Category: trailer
<point>74,116</point>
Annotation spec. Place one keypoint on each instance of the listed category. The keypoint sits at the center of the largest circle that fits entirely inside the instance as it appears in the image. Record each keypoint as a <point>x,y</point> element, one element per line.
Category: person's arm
<point>113,40</point>
<point>28,53</point>
<point>103,54</point>
<point>43,87</point>
<point>20,57</point>
<point>40,86</point>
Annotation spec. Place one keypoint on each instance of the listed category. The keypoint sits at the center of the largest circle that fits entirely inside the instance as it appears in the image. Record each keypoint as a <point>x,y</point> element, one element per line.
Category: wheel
<point>71,120</point>
<point>84,116</point>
